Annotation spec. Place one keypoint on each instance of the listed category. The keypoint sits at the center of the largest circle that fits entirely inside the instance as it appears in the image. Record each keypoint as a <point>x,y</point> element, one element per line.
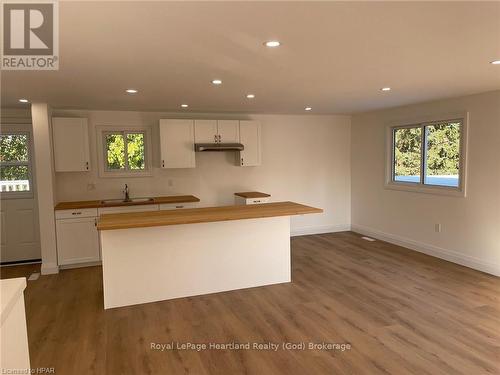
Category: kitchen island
<point>160,255</point>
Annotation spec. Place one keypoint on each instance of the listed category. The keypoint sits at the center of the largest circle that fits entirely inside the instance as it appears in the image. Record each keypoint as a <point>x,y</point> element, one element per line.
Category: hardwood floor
<point>402,313</point>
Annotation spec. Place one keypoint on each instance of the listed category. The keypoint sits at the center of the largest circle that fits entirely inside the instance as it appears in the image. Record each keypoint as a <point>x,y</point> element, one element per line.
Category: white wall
<point>470,225</point>
<point>42,140</point>
<point>305,158</point>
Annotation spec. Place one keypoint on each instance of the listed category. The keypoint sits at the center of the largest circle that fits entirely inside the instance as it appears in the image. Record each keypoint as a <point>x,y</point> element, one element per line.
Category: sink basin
<point>132,200</point>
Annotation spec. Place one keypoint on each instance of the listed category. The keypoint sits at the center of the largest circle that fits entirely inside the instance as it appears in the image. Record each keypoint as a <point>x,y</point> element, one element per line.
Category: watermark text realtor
<point>30,35</point>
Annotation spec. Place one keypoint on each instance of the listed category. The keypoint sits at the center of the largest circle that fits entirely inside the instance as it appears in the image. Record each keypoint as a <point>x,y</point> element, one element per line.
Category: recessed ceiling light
<point>184,105</point>
<point>217,82</point>
<point>131,91</point>
<point>307,108</point>
<point>272,43</point>
<point>24,100</point>
<point>250,96</point>
<point>495,62</point>
<point>385,89</point>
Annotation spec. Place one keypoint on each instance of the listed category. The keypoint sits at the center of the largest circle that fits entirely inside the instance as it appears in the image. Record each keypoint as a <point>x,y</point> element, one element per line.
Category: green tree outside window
<point>125,151</point>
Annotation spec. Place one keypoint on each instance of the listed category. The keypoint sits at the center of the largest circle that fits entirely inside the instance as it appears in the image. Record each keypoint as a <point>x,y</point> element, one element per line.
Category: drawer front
<point>176,206</point>
<point>122,209</point>
<point>72,214</point>
<point>257,200</point>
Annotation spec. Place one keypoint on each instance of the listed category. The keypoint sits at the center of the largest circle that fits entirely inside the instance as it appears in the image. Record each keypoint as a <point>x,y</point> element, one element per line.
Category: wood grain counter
<point>118,203</point>
<point>202,215</point>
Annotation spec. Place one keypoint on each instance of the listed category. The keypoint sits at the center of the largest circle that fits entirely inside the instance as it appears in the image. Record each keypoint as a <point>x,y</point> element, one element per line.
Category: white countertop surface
<point>10,291</point>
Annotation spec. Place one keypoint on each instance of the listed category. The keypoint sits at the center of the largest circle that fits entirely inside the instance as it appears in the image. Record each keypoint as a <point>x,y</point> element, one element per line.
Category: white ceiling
<point>335,56</point>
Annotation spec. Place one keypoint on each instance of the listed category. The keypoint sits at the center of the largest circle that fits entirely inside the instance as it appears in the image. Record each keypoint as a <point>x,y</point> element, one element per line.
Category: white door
<point>177,144</point>
<point>228,131</point>
<point>71,144</point>
<point>77,241</point>
<point>250,138</point>
<point>20,231</point>
<point>205,131</point>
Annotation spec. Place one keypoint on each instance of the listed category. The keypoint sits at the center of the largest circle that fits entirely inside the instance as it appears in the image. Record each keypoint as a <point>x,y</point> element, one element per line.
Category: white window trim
<point>421,188</point>
<point>9,129</point>
<point>101,130</point>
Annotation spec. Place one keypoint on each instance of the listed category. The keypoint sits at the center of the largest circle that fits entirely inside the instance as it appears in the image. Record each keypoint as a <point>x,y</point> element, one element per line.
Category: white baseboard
<point>318,229</point>
<point>80,265</point>
<point>435,251</point>
<point>49,268</point>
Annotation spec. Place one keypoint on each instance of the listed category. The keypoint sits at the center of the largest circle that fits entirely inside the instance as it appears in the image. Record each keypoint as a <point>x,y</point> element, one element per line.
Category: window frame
<point>104,171</point>
<point>421,187</point>
<point>8,130</point>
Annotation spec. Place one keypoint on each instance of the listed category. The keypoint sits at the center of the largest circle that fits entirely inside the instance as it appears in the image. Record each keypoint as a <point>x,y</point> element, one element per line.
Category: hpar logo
<point>30,35</point>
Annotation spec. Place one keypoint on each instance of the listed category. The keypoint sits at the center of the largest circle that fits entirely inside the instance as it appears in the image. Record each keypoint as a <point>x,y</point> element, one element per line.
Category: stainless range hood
<point>203,147</point>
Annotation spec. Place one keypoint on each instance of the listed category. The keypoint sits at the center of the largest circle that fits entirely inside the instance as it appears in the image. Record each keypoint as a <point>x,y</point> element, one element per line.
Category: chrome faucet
<point>127,198</point>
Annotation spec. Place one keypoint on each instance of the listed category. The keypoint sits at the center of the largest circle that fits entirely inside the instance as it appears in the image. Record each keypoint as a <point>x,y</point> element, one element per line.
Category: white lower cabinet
<point>77,234</point>
<point>77,240</point>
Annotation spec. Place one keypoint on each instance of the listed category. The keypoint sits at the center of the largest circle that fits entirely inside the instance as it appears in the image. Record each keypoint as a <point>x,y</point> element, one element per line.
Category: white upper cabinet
<point>71,144</point>
<point>228,131</point>
<point>216,131</point>
<point>205,131</point>
<point>177,143</point>
<point>250,138</point>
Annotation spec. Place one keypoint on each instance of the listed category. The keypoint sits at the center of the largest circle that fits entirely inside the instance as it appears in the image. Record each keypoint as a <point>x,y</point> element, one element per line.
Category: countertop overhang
<point>98,204</point>
<point>202,215</point>
<point>11,290</point>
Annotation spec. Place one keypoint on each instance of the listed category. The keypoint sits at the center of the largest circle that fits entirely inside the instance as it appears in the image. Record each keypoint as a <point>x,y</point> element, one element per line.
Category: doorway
<point>20,231</point>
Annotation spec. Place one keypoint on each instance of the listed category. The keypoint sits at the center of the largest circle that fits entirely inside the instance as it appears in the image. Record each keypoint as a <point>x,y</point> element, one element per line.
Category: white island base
<point>149,264</point>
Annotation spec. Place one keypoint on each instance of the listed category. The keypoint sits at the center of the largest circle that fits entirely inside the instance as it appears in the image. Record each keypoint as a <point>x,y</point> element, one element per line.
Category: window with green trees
<point>15,169</point>
<point>428,154</point>
<point>125,151</point>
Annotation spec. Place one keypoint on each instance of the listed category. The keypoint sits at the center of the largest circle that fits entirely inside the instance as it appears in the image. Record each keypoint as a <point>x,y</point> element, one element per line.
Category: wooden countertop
<point>252,194</point>
<point>202,215</point>
<point>98,204</point>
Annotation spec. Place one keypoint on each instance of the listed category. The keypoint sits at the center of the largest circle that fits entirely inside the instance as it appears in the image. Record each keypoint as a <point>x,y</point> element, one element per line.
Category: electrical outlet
<point>437,228</point>
<point>170,182</point>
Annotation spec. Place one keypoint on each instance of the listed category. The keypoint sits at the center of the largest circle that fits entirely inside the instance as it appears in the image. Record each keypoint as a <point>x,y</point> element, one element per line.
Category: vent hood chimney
<point>204,147</point>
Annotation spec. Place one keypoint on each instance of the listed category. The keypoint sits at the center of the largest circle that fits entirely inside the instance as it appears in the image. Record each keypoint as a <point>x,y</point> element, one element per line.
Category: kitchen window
<point>125,152</point>
<point>428,156</point>
<point>15,165</point>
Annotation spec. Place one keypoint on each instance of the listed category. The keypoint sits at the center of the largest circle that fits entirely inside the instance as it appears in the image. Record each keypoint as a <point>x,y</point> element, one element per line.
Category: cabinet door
<point>250,138</point>
<point>77,241</point>
<point>229,131</point>
<point>205,131</point>
<point>71,144</point>
<point>177,143</point>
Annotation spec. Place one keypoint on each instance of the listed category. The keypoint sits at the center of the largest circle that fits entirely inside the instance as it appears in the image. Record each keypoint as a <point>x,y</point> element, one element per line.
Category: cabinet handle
<point>179,206</point>
<point>76,213</point>
<point>220,138</point>
<point>163,163</point>
<point>87,165</point>
<point>241,161</point>
<point>95,222</point>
